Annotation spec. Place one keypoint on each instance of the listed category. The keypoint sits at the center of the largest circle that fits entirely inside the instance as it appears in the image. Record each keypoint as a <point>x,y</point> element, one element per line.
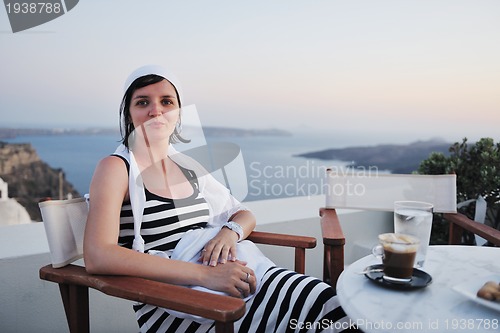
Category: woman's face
<point>156,107</point>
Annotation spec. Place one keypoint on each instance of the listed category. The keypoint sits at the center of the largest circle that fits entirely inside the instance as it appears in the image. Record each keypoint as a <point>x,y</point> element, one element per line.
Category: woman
<point>146,199</point>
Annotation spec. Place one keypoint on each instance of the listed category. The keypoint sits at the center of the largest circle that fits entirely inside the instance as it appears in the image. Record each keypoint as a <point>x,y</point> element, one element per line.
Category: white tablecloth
<point>435,308</point>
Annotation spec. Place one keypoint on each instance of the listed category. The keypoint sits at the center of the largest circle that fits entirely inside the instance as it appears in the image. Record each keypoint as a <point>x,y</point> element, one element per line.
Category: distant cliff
<point>9,133</point>
<point>29,178</point>
<point>395,158</point>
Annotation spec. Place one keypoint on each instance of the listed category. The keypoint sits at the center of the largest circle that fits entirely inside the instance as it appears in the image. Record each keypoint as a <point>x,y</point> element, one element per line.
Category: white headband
<point>156,70</point>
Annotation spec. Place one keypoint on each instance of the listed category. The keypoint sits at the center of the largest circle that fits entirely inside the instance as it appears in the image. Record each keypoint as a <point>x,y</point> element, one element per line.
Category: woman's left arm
<point>222,247</point>
<point>246,220</point>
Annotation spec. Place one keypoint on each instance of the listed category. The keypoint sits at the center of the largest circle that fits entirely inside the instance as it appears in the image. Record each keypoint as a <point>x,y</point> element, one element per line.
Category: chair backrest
<point>64,222</point>
<point>376,191</point>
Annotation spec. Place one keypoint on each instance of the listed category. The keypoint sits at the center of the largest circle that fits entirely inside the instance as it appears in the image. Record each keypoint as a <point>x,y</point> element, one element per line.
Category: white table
<point>435,308</point>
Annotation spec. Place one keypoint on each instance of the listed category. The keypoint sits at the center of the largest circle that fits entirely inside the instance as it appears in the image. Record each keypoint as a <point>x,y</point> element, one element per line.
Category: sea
<point>266,167</point>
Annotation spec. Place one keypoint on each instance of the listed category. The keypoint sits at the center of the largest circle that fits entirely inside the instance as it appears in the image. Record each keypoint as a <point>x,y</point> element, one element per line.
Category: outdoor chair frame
<point>74,281</point>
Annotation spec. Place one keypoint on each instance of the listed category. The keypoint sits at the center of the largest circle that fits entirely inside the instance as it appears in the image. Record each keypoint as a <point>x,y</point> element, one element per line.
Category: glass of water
<point>414,218</point>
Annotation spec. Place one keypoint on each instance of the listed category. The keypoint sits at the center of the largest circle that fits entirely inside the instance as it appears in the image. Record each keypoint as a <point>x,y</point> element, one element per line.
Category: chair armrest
<point>300,243</point>
<point>282,239</point>
<point>333,242</point>
<point>464,223</point>
<point>212,306</point>
<point>331,228</point>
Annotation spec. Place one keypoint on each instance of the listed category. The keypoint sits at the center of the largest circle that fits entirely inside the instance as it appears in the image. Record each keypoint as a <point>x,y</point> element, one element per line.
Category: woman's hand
<point>223,246</point>
<point>220,249</point>
<point>233,278</point>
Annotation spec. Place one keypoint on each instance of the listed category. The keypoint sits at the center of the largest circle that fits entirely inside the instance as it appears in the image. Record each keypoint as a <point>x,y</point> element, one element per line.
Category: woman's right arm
<point>103,255</point>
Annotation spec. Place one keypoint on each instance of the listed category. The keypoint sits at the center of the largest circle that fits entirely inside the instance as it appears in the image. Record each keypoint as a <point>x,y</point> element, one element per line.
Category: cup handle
<point>378,251</point>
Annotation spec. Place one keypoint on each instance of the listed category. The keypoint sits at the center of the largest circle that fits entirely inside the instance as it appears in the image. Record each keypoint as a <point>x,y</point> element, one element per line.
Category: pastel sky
<point>392,69</point>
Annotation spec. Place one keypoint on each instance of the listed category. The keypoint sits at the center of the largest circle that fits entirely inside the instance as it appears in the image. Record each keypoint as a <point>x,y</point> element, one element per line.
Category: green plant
<point>477,167</point>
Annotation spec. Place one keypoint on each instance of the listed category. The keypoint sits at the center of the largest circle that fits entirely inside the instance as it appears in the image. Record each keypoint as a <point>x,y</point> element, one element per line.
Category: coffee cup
<point>398,252</point>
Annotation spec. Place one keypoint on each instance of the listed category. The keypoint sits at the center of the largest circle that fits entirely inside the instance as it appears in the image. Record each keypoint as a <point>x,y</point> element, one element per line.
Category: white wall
<point>300,216</point>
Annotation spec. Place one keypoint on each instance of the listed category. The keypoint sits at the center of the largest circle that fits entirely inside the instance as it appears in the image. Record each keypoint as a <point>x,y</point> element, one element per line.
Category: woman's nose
<point>156,110</point>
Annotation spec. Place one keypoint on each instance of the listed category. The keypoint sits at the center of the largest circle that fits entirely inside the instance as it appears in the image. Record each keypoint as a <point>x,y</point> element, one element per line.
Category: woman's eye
<point>167,102</point>
<point>141,102</point>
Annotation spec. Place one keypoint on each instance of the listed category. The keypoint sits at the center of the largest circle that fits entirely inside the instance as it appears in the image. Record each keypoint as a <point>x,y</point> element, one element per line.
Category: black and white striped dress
<point>286,302</point>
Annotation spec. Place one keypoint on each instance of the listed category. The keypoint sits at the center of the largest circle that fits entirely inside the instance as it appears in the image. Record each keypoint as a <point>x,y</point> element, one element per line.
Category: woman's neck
<point>147,155</point>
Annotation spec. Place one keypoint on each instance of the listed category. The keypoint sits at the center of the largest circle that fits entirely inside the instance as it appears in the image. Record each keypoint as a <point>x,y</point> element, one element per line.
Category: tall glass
<point>414,218</point>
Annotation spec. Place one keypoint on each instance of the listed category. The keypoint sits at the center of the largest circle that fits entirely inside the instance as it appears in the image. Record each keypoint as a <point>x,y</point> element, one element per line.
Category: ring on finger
<point>246,279</point>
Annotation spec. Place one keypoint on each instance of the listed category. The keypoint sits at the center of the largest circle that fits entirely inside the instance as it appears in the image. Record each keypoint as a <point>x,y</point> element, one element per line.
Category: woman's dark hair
<point>126,125</point>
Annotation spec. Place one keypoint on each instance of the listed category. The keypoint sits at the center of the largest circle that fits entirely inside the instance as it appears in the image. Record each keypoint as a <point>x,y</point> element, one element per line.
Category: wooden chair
<point>374,191</point>
<point>64,222</point>
<point>460,223</point>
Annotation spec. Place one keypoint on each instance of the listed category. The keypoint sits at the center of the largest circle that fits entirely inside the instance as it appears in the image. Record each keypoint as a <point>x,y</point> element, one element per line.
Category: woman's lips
<point>156,124</point>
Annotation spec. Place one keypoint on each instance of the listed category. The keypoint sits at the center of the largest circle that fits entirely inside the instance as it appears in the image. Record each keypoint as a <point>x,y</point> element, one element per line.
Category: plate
<point>470,288</point>
<point>420,279</point>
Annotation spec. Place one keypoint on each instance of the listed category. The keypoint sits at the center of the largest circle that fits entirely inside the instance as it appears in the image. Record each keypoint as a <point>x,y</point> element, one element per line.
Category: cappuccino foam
<point>399,242</point>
